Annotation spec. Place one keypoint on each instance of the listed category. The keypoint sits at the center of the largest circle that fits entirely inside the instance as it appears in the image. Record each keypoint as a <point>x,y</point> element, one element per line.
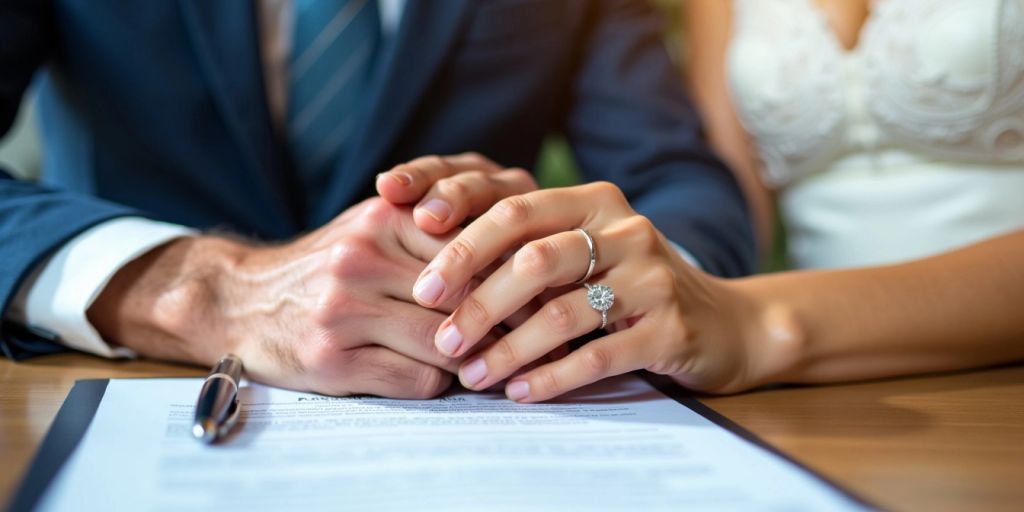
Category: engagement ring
<point>601,297</point>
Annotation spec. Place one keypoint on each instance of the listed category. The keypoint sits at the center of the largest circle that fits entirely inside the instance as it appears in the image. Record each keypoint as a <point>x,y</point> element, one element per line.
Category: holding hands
<point>590,259</point>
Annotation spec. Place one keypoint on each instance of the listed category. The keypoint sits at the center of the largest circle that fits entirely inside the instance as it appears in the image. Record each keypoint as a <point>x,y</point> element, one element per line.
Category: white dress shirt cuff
<point>57,297</point>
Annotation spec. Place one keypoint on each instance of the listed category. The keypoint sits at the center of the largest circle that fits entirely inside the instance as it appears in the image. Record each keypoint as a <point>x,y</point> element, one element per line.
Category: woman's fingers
<point>557,322</point>
<point>615,354</point>
<point>512,221</point>
<point>407,183</point>
<point>557,260</point>
<point>452,200</point>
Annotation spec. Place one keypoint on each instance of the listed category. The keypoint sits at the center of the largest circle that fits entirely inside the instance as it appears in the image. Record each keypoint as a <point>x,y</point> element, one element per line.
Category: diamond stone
<point>600,297</point>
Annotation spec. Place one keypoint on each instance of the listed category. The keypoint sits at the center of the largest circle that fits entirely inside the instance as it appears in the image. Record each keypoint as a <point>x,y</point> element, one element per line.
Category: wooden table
<point>947,442</point>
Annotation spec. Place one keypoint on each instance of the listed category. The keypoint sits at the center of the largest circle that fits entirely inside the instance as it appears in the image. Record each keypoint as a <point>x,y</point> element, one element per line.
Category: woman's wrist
<point>773,335</point>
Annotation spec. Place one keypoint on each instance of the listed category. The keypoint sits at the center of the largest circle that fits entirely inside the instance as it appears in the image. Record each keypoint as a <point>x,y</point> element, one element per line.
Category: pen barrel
<point>216,399</point>
<point>217,407</point>
<point>229,365</point>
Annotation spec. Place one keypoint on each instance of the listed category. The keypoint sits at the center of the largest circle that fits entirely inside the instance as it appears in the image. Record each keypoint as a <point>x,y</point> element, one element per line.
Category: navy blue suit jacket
<point>158,109</point>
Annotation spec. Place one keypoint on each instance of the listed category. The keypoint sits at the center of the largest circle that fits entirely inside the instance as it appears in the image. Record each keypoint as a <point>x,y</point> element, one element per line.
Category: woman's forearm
<point>958,310</point>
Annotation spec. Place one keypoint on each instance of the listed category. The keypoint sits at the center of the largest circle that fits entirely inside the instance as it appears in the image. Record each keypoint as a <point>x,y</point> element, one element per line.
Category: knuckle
<point>523,178</point>
<point>459,253</point>
<point>660,282</point>
<point>476,157</point>
<point>504,354</point>
<point>536,260</point>
<point>608,191</point>
<point>560,316</point>
<point>332,306</point>
<point>353,257</point>
<point>476,312</point>
<point>429,382</point>
<point>323,357</point>
<point>439,163</point>
<point>424,331</point>
<point>671,362</point>
<point>513,210</point>
<point>597,362</point>
<point>640,225</point>
<point>375,213</point>
<point>452,188</point>
<point>678,329</point>
<point>546,383</point>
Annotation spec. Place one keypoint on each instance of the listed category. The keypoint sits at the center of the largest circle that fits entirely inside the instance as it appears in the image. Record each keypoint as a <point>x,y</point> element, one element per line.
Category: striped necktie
<point>329,69</point>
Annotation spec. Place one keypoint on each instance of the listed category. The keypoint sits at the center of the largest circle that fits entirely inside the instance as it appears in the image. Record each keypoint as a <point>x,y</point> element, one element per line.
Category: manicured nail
<point>449,340</point>
<point>429,288</point>
<point>401,178</point>
<point>436,208</point>
<point>517,390</point>
<point>474,372</point>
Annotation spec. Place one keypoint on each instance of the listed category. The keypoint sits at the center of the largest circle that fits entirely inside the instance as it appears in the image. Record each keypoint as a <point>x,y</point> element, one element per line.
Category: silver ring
<point>593,256</point>
<point>601,297</point>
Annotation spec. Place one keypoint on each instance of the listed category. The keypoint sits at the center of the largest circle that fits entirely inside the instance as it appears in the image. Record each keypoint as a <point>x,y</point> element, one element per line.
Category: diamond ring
<point>600,297</point>
<point>593,256</point>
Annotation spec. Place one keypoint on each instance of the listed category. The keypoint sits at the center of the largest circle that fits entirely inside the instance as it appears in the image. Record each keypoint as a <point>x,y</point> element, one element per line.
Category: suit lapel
<point>224,34</point>
<point>427,32</point>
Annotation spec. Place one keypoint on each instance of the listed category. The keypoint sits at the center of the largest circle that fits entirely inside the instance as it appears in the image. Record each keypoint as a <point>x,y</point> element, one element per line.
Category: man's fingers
<point>409,329</point>
<point>377,370</point>
<point>407,183</point>
<point>452,200</point>
<point>419,244</point>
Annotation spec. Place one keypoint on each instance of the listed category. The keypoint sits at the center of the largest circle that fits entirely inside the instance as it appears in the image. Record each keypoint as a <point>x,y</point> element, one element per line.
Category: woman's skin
<point>962,309</point>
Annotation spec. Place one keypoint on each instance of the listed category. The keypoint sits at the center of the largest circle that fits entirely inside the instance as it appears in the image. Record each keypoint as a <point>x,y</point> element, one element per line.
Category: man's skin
<point>330,312</point>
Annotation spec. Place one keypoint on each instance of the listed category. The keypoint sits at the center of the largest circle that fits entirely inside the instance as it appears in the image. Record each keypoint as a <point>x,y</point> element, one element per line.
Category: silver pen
<point>217,407</point>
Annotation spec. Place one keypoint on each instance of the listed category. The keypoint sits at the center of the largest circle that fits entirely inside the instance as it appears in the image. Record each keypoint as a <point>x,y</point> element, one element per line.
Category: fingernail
<point>449,340</point>
<point>429,288</point>
<point>437,209</point>
<point>517,390</point>
<point>402,178</point>
<point>474,372</point>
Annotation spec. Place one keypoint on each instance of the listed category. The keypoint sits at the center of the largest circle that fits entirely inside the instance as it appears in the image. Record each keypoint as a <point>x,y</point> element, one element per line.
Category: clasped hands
<point>517,268</point>
<point>387,302</point>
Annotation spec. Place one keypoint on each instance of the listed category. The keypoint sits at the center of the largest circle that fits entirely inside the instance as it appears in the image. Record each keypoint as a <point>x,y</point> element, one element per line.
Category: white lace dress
<point>909,145</point>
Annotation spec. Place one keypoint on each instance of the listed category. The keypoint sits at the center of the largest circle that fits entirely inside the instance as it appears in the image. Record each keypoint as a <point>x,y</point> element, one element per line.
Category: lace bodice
<point>940,78</point>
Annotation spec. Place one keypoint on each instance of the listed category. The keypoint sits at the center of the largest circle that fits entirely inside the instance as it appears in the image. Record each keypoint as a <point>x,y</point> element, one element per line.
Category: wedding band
<point>593,256</point>
<point>601,297</point>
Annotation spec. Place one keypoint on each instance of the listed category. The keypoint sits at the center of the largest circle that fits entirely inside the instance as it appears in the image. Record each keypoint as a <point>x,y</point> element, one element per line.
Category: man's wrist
<point>166,303</point>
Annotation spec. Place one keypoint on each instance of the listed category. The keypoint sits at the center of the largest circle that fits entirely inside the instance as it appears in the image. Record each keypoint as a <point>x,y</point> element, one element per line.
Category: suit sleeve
<point>34,221</point>
<point>630,123</point>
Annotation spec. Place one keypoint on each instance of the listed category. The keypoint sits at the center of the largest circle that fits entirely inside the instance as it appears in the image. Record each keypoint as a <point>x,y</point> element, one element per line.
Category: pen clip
<point>232,418</point>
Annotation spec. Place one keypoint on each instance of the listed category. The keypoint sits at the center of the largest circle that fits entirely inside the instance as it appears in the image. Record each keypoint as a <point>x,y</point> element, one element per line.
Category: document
<point>617,445</point>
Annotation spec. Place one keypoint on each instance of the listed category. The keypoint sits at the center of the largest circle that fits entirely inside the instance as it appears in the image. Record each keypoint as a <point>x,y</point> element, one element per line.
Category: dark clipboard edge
<point>79,408</point>
<point>66,431</point>
<point>676,392</point>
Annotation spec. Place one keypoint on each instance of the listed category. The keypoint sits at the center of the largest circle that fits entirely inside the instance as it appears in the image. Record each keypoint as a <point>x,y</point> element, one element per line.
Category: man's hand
<point>448,190</point>
<point>331,312</point>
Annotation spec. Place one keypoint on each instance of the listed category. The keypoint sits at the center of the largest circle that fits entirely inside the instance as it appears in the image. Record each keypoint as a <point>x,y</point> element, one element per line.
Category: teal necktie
<point>329,69</point>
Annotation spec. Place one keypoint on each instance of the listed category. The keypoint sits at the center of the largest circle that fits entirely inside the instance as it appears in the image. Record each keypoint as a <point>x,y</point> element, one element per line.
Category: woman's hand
<point>667,317</point>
